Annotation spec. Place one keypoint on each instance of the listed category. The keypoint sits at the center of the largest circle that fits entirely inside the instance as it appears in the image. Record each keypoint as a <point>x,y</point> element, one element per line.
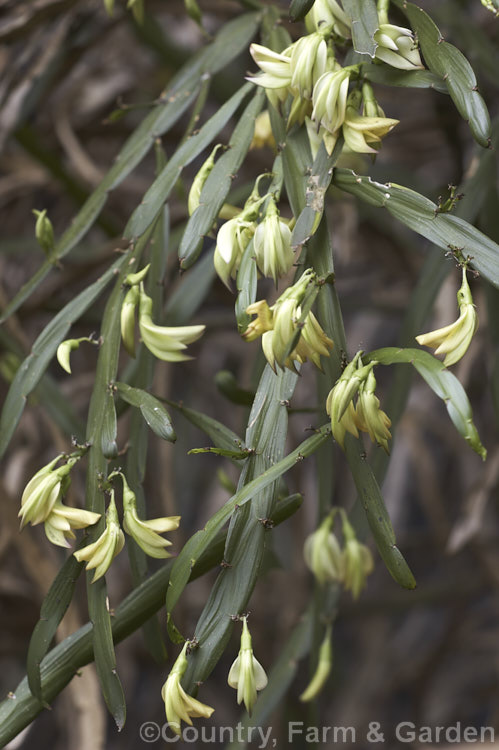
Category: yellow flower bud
<point>42,492</point>
<point>272,244</point>
<point>358,560</point>
<point>44,231</point>
<point>324,666</point>
<point>199,180</point>
<point>263,135</point>
<point>128,319</point>
<point>323,554</point>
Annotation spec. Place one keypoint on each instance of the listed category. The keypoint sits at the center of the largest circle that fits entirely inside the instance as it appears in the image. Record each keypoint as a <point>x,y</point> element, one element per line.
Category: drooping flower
<point>43,490</point>
<point>368,415</point>
<point>330,98</point>
<point>339,404</point>
<point>453,340</point>
<point>146,533</point>
<point>63,519</point>
<point>275,67</point>
<point>178,705</point>
<point>397,47</point>
<point>165,342</point>
<point>308,62</point>
<point>323,555</point>
<point>358,560</point>
<point>285,337</point>
<point>246,674</point>
<point>359,131</point>
<point>66,347</point>
<point>272,244</point>
<point>101,553</point>
<point>232,240</point>
<point>324,666</point>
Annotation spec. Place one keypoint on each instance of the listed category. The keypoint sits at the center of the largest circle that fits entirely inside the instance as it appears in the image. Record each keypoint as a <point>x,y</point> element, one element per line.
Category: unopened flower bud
<point>44,231</point>
<point>272,244</point>
<point>199,180</point>
<point>358,560</point>
<point>323,555</point>
<point>324,666</point>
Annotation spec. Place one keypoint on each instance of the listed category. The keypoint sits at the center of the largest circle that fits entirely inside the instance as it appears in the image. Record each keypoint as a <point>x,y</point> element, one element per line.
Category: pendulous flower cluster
<point>331,563</point>
<point>286,337</point>
<point>367,416</point>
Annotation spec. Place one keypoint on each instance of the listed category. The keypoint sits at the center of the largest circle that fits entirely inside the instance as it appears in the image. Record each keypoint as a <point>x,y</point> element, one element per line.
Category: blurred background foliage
<point>75,83</point>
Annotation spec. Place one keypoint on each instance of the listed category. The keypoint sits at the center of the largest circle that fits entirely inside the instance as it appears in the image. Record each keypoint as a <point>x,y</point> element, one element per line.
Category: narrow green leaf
<point>218,184</point>
<point>44,349</point>
<point>298,9</point>
<point>377,515</point>
<point>450,64</point>
<point>220,435</point>
<point>152,410</point>
<point>201,539</point>
<point>109,432</point>
<point>52,611</point>
<point>246,281</point>
<point>364,18</point>
<point>420,214</point>
<point>442,382</point>
<point>318,182</point>
<point>238,455</point>
<point>62,663</point>
<point>234,37</point>
<point>105,659</point>
<point>191,292</point>
<point>417,79</point>
<point>158,193</point>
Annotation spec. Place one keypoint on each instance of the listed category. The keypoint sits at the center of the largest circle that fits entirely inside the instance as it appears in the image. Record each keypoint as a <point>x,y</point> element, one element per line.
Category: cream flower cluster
<point>357,380</point>
<point>330,563</point>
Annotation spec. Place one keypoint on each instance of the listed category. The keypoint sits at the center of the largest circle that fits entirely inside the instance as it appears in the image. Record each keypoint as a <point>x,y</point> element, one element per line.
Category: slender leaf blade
<point>421,214</point>
<point>152,410</point>
<point>364,18</point>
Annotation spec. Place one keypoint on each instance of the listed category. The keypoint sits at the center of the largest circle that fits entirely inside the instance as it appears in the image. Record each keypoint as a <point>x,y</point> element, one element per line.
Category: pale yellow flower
<point>165,342</point>
<point>453,340</point>
<point>272,244</point>
<point>397,47</point>
<point>146,533</point>
<point>178,705</point>
<point>42,492</point>
<point>358,560</point>
<point>359,131</point>
<point>63,519</point>
<point>246,674</point>
<point>323,555</point>
<point>368,415</point>
<point>101,553</point>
